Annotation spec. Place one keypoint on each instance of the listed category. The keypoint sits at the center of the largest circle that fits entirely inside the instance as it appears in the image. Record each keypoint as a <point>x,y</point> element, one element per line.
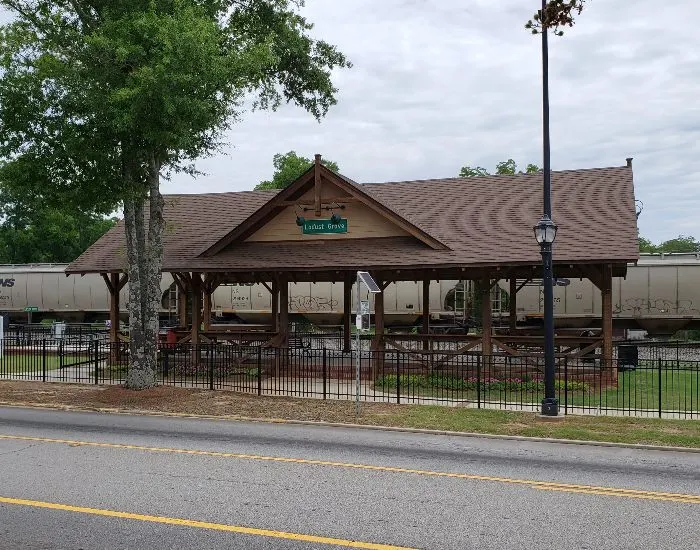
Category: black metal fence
<point>648,387</point>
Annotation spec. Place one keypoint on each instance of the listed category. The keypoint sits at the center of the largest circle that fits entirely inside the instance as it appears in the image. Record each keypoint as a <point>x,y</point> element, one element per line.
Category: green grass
<point>23,363</point>
<point>650,431</point>
<point>676,390</point>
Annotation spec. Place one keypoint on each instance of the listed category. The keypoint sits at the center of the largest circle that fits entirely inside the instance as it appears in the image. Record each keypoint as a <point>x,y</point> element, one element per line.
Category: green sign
<point>31,309</point>
<point>320,227</point>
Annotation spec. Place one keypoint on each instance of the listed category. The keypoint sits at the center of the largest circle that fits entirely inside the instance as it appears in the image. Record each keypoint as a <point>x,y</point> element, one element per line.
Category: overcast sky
<point>437,84</point>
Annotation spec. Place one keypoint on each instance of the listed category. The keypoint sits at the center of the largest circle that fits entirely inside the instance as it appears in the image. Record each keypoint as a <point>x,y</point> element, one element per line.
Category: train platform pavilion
<point>325,227</point>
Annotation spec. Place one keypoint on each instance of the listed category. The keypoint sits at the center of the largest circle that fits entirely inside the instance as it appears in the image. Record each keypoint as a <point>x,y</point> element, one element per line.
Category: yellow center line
<point>545,485</point>
<point>202,525</point>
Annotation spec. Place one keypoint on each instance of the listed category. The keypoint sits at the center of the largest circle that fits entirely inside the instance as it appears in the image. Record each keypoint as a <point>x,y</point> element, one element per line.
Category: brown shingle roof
<point>484,220</point>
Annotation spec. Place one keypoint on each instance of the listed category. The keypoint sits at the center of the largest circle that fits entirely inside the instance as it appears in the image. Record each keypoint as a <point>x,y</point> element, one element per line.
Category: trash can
<point>627,357</point>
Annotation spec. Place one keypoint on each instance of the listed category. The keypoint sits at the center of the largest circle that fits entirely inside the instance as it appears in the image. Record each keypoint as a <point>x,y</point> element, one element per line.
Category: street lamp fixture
<point>545,231</point>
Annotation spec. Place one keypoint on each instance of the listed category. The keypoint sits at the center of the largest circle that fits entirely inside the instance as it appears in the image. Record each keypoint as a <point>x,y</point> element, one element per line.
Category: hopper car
<point>660,294</point>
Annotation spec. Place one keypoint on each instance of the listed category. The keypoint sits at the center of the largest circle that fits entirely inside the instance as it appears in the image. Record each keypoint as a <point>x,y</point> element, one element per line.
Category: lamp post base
<point>550,406</point>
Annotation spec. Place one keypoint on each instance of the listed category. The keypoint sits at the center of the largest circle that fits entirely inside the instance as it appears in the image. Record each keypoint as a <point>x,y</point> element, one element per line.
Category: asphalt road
<point>98,481</point>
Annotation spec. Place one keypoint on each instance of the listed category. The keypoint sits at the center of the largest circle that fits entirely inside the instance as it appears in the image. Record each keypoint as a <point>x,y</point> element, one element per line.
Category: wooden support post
<point>114,308</point>
<point>513,305</point>
<point>181,307</point>
<point>347,312</point>
<point>275,306</point>
<point>114,317</point>
<point>378,340</point>
<point>284,313</point>
<point>196,296</point>
<point>486,319</point>
<point>607,316</point>
<point>426,313</point>
<point>207,289</point>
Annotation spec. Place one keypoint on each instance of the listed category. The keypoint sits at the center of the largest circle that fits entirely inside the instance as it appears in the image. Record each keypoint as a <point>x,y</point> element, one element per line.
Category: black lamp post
<point>545,232</point>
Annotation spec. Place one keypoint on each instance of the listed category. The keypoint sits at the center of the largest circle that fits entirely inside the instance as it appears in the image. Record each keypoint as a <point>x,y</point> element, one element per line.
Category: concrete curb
<point>424,431</point>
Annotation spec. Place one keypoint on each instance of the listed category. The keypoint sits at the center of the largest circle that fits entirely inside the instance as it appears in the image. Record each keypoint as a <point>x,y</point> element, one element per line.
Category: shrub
<point>411,382</point>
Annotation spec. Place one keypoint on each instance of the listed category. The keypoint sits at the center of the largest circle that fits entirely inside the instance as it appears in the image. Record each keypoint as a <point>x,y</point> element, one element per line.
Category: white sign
<point>358,322</point>
<point>364,307</point>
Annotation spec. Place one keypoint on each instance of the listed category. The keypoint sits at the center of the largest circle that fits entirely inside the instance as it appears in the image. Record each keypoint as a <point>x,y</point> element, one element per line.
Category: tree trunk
<point>145,258</point>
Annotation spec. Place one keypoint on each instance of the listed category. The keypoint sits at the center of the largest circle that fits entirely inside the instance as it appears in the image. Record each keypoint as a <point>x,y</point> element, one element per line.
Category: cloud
<point>438,84</point>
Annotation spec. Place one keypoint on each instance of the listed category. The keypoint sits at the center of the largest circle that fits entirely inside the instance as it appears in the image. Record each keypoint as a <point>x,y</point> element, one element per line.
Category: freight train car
<point>661,294</point>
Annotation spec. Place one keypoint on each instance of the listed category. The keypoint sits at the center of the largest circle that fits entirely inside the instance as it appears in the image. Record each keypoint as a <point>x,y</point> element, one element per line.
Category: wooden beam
<point>180,282</point>
<point>378,341</point>
<point>206,307</point>
<point>275,305</point>
<point>326,201</point>
<point>196,295</point>
<point>521,285</point>
<point>513,304</point>
<point>486,319</point>
<point>284,312</point>
<point>181,306</point>
<point>122,281</point>
<point>268,287</point>
<point>347,312</point>
<point>426,312</point>
<point>317,184</point>
<point>607,316</point>
<point>113,286</point>
<point>109,282</point>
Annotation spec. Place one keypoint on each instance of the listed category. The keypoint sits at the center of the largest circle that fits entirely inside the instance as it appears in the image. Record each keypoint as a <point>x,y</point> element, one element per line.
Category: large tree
<point>289,167</point>
<point>100,98</point>
<point>504,167</point>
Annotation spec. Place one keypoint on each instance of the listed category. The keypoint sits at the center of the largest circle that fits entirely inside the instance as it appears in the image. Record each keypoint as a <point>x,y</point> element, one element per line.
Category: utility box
<point>627,357</point>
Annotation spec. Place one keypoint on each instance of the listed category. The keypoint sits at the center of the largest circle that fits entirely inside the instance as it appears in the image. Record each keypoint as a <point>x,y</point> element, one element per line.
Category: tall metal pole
<point>357,349</point>
<point>549,403</point>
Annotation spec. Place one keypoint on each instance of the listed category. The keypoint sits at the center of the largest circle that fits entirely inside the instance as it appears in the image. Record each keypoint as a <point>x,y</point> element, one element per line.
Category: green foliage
<point>97,95</point>
<point>506,167</point>
<point>288,168</point>
<point>679,244</point>
<point>41,233</point>
<point>469,172</point>
<point>438,381</point>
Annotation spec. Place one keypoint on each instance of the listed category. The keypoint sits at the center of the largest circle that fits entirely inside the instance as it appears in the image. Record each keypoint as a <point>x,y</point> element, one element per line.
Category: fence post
<point>324,372</point>
<point>166,361</point>
<point>478,381</point>
<point>259,370</point>
<point>660,402</point>
<point>566,384</point>
<point>398,376</point>
<point>210,356</point>
<point>43,360</point>
<point>60,355</point>
<point>97,361</point>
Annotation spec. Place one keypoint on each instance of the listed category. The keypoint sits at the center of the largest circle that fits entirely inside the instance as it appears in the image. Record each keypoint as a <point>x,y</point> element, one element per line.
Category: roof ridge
<point>471,178</point>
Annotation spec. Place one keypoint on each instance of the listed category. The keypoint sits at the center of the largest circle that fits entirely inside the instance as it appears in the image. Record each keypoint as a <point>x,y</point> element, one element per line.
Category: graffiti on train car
<point>641,306</point>
<point>312,303</point>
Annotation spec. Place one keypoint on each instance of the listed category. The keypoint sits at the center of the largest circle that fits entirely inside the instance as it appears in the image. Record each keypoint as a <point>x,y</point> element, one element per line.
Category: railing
<point>69,333</point>
<point>653,387</point>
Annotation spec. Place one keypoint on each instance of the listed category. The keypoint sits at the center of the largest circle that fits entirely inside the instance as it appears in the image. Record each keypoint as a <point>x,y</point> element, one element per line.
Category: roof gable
<point>320,191</point>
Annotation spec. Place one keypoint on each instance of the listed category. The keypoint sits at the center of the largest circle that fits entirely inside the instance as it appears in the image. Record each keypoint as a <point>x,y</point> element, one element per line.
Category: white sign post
<point>373,287</point>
